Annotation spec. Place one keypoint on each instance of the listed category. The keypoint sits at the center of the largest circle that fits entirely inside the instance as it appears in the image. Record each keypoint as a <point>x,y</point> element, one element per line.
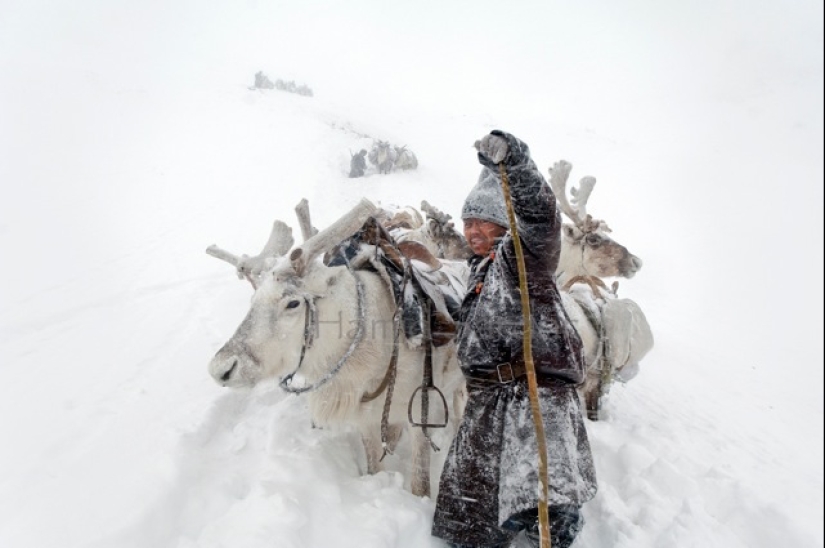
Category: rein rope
<point>308,339</point>
<point>593,281</point>
<point>388,382</point>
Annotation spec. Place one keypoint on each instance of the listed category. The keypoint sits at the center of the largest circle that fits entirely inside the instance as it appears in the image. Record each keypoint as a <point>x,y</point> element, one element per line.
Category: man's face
<point>481,235</point>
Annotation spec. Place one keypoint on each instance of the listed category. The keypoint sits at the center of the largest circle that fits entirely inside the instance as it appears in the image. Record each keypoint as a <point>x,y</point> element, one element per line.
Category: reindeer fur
<point>268,344</point>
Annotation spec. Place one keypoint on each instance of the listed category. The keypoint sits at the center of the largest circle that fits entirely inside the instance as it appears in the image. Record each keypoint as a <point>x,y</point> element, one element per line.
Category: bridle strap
<point>389,378</point>
<point>308,337</point>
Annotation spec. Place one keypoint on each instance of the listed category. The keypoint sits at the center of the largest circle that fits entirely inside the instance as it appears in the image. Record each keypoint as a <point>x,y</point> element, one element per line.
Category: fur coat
<point>490,473</point>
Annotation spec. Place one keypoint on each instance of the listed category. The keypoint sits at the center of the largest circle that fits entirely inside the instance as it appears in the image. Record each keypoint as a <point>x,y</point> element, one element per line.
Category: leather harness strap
<point>504,374</point>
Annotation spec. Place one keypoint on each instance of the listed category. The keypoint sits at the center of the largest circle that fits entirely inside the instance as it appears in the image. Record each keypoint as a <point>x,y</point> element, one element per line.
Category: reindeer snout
<point>632,265</point>
<point>228,374</point>
<point>234,369</point>
<point>225,369</point>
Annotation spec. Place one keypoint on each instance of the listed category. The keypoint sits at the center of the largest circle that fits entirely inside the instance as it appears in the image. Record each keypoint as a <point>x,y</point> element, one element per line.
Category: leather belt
<point>504,374</point>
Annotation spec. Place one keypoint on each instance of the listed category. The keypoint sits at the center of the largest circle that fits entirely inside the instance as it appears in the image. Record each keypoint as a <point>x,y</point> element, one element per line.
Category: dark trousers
<point>565,523</point>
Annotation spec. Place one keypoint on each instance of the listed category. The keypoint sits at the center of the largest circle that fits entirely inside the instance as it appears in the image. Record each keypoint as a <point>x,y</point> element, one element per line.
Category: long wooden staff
<point>532,384</point>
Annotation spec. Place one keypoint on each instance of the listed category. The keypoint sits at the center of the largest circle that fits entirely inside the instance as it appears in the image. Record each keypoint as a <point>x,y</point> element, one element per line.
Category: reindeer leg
<point>420,465</point>
<point>373,450</point>
<point>592,395</point>
<point>593,404</point>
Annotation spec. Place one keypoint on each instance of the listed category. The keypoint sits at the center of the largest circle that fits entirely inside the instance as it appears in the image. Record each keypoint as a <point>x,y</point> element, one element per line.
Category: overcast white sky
<point>124,151</point>
<point>723,99</point>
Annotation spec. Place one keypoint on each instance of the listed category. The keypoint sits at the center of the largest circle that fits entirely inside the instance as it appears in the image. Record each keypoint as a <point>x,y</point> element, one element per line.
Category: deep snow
<point>129,141</point>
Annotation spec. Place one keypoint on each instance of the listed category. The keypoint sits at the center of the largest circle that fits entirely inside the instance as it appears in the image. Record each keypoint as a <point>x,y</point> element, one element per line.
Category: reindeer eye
<point>593,239</point>
<point>293,304</point>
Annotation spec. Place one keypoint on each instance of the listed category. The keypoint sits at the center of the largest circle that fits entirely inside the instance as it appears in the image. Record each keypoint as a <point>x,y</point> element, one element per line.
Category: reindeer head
<point>587,249</point>
<point>281,324</point>
<point>277,330</point>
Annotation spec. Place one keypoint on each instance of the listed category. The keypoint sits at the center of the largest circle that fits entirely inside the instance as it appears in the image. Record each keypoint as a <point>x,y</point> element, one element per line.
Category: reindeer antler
<point>558,182</point>
<point>435,214</point>
<point>332,235</point>
<point>302,211</point>
<point>582,194</point>
<point>280,241</point>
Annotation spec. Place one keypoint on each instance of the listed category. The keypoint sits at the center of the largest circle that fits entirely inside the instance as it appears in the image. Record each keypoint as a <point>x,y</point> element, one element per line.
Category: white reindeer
<point>331,332</point>
<point>615,332</point>
<point>405,158</point>
<point>383,156</point>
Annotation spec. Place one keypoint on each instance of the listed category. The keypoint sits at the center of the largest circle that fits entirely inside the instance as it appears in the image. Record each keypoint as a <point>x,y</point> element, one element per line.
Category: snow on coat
<point>491,473</point>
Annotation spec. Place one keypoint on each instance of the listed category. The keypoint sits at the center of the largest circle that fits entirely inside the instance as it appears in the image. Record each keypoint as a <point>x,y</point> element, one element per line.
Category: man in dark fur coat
<point>358,164</point>
<point>489,487</point>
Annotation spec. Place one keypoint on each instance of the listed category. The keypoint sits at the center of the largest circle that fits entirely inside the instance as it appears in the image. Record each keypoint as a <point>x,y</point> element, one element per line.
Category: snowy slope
<point>130,141</point>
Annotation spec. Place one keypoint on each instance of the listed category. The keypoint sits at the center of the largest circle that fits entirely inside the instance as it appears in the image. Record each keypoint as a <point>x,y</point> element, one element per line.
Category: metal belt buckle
<point>512,373</point>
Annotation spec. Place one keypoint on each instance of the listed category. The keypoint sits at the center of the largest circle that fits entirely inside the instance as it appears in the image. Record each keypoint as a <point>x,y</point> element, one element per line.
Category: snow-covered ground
<point>129,142</point>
